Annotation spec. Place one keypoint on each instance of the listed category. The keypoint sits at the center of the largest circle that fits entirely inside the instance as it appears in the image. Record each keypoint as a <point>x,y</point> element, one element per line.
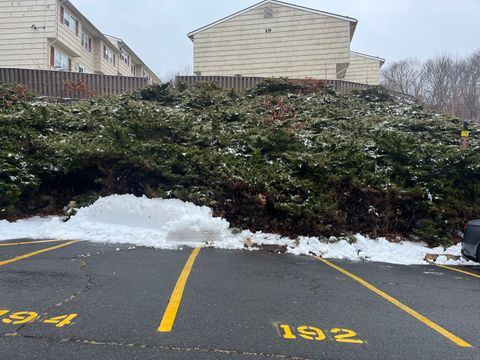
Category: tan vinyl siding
<point>138,69</point>
<point>72,43</point>
<point>87,57</point>
<point>120,65</point>
<point>363,69</point>
<point>123,68</point>
<point>20,45</point>
<point>97,55</point>
<point>300,44</point>
<point>101,65</point>
<point>106,67</point>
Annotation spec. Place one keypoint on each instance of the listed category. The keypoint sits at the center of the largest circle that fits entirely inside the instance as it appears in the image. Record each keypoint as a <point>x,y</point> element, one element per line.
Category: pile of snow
<point>159,223</point>
<point>171,224</point>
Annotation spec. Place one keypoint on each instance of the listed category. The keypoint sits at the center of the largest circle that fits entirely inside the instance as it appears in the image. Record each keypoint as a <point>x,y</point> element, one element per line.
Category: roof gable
<point>276,2</point>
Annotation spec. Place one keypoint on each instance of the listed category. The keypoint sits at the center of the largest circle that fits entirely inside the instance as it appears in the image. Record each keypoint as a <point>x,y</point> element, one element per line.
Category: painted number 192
<point>312,333</point>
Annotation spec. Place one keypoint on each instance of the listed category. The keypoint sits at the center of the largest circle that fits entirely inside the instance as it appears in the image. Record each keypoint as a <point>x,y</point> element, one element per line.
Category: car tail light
<point>465,227</point>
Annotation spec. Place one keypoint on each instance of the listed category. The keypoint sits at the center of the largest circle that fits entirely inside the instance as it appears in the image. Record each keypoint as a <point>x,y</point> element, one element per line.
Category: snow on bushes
<point>285,158</point>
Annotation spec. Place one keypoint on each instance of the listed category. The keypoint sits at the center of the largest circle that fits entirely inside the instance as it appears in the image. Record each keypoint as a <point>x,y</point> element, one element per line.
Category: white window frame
<point>61,61</point>
<point>81,68</point>
<point>146,75</point>
<point>86,41</point>
<point>124,56</point>
<point>70,21</point>
<point>133,69</point>
<point>108,55</point>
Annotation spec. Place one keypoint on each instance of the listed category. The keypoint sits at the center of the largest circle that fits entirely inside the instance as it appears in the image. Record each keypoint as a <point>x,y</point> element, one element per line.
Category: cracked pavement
<point>236,305</point>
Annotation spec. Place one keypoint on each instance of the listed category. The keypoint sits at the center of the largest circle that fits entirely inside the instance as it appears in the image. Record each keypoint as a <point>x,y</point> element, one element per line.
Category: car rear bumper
<point>468,257</point>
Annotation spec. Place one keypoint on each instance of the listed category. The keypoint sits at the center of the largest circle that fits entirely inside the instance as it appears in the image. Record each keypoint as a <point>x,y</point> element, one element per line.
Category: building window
<point>68,20</point>
<point>124,56</point>
<point>81,68</point>
<point>61,60</point>
<point>145,75</point>
<point>133,69</point>
<point>108,55</point>
<point>86,42</point>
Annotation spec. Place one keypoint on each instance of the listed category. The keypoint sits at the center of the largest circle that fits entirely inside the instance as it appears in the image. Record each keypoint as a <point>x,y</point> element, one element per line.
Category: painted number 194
<point>313,333</point>
<point>25,317</point>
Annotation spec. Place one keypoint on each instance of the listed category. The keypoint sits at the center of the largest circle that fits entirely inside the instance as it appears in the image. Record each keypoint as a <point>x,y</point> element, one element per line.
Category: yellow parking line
<point>29,242</point>
<point>457,270</point>
<point>26,256</point>
<point>397,303</point>
<point>174,303</point>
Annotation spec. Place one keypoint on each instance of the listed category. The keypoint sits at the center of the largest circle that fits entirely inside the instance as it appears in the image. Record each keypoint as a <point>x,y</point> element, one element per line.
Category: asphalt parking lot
<point>80,300</point>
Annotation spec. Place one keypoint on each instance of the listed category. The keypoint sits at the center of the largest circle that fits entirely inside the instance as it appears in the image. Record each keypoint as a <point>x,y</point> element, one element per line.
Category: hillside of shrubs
<point>289,157</point>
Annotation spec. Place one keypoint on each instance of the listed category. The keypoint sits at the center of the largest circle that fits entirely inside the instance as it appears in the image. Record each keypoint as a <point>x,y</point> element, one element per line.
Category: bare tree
<point>471,93</point>
<point>403,76</point>
<point>170,75</point>
<point>444,83</point>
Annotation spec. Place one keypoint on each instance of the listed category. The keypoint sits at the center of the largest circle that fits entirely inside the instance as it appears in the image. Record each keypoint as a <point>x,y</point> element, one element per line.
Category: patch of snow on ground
<point>379,250</point>
<point>21,228</point>
<point>171,224</point>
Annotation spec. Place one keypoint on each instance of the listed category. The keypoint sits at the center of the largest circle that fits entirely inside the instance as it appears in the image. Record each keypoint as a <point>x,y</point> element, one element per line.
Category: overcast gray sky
<point>156,29</point>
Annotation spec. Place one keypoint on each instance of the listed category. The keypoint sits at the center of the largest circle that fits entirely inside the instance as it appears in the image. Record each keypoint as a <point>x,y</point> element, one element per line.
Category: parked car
<point>471,240</point>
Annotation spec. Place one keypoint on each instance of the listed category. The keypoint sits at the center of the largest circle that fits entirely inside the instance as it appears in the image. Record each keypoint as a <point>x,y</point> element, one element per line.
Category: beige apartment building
<point>54,35</point>
<point>278,39</point>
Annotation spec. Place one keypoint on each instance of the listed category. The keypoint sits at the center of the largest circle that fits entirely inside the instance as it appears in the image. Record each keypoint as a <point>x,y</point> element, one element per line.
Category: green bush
<point>164,94</point>
<point>292,158</point>
<point>14,95</point>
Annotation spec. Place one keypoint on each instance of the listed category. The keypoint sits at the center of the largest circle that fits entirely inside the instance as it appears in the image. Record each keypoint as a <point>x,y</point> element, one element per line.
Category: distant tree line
<point>170,75</point>
<point>444,83</point>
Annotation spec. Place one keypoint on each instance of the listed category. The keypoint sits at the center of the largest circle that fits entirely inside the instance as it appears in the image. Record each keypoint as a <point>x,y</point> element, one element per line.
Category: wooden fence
<point>242,82</point>
<point>61,84</point>
<point>344,87</point>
